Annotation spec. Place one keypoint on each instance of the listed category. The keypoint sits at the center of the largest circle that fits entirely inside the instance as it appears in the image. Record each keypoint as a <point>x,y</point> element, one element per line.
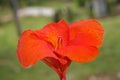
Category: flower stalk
<point>62,77</point>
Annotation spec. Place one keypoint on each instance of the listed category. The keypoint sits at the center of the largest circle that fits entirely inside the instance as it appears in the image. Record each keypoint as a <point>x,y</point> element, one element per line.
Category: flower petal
<point>54,32</point>
<point>31,49</point>
<point>79,53</point>
<point>89,32</point>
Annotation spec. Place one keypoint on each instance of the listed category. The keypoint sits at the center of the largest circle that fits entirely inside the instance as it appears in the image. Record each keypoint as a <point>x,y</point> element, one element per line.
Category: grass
<point>107,61</point>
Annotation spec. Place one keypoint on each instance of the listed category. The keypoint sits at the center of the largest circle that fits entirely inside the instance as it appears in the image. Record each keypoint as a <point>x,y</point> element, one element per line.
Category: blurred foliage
<point>31,2</point>
<point>118,1</point>
<point>81,3</point>
<point>4,3</point>
<point>111,6</point>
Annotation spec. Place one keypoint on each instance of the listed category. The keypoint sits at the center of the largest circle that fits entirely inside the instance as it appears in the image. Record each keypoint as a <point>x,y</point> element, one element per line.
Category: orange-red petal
<point>79,53</point>
<point>89,32</point>
<point>31,49</point>
<point>53,32</point>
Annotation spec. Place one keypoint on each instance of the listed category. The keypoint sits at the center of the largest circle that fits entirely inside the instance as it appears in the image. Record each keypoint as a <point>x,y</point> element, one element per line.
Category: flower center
<point>59,43</point>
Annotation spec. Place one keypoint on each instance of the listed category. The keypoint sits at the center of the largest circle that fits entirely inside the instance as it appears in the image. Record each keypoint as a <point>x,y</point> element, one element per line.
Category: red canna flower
<point>58,44</point>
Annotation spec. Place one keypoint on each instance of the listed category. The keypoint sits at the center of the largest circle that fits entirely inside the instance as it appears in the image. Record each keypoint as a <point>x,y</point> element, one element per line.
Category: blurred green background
<point>105,67</point>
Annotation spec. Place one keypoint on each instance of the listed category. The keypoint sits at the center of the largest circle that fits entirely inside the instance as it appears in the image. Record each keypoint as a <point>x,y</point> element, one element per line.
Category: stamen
<point>59,42</point>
